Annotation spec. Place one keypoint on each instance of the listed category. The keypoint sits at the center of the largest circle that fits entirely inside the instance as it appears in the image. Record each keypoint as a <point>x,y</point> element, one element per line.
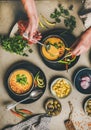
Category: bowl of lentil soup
<point>20,82</point>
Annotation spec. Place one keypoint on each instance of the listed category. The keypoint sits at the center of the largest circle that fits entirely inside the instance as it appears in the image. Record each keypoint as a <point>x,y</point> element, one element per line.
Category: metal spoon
<point>33,95</point>
<point>26,36</point>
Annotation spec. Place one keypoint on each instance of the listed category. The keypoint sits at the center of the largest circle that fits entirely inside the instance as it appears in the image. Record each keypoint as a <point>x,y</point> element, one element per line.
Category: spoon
<point>33,95</point>
<point>26,36</point>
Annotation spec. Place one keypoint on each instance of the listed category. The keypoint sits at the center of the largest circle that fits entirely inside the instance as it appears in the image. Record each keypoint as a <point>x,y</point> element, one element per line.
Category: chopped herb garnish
<point>47,46</point>
<point>30,50</point>
<point>71,7</point>
<point>22,79</point>
<point>56,45</point>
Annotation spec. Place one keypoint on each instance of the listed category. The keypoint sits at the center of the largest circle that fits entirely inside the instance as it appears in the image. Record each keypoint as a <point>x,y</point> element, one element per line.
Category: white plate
<point>14,30</point>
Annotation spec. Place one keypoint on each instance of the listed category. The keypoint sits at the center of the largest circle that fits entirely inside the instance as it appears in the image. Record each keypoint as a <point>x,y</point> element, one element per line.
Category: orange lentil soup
<point>54,48</point>
<point>20,81</point>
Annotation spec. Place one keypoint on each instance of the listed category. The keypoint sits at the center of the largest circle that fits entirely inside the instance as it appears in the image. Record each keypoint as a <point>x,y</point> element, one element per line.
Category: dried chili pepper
<point>17,114</point>
<point>25,113</point>
<point>22,113</point>
<point>22,25</point>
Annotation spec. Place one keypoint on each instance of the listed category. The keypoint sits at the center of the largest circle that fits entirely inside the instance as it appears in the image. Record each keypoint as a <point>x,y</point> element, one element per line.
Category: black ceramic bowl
<point>18,82</point>
<point>68,39</point>
<point>77,80</point>
<point>52,106</point>
<point>63,43</point>
<point>87,105</point>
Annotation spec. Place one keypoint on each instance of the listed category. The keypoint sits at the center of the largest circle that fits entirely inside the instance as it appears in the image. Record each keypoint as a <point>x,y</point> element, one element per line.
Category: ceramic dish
<point>68,39</point>
<point>60,87</point>
<point>53,49</point>
<point>21,82</point>
<point>36,71</point>
<point>82,80</point>
<point>52,106</point>
<point>87,105</point>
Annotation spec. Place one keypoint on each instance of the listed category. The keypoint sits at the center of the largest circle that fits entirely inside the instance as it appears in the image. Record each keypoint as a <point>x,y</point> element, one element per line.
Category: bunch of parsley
<point>15,44</point>
<point>69,20</point>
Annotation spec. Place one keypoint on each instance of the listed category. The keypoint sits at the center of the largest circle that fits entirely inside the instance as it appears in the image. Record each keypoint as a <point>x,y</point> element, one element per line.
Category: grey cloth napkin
<point>85,13</point>
<point>42,121</point>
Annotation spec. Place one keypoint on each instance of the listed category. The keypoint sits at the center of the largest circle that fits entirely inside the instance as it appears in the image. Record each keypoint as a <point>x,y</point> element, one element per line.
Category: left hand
<point>22,25</point>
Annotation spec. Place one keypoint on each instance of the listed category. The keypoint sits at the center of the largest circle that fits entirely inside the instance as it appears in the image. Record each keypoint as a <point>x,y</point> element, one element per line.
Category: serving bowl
<point>53,49</point>
<point>87,105</point>
<point>60,87</point>
<point>20,82</point>
<point>68,39</point>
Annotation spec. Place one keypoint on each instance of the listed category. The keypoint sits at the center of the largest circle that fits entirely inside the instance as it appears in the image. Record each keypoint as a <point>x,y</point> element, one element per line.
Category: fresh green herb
<point>57,20</point>
<point>71,7</point>
<point>22,79</point>
<point>47,46</point>
<point>15,44</point>
<point>70,23</point>
<point>24,54</point>
<point>69,20</point>
<point>30,50</point>
<point>56,45</point>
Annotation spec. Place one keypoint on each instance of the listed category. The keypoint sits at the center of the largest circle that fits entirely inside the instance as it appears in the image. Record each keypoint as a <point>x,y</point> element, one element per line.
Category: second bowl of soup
<point>54,48</point>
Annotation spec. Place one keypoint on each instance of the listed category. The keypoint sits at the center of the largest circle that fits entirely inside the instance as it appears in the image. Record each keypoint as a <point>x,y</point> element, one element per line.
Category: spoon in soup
<point>33,95</point>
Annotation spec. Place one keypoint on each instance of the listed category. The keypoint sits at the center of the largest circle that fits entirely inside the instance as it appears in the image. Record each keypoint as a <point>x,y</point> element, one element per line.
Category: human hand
<point>32,28</point>
<point>82,44</point>
<point>36,37</point>
<point>22,26</point>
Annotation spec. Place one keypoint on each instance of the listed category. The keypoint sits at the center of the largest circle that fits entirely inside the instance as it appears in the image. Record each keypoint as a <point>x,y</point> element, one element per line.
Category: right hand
<point>83,43</point>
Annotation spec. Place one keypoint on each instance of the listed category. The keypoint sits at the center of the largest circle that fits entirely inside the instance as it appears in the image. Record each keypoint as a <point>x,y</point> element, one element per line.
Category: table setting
<point>42,83</point>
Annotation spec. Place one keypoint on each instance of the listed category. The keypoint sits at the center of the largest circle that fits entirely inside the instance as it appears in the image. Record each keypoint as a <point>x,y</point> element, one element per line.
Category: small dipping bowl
<point>60,87</point>
<point>87,106</point>
<point>52,106</point>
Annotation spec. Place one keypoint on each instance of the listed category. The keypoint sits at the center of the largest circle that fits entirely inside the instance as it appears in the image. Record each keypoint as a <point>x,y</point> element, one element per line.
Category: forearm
<point>30,8</point>
<point>87,34</point>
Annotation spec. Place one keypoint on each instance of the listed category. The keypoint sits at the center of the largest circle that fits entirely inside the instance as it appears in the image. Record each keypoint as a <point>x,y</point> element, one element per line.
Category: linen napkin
<point>85,13</point>
<point>41,120</point>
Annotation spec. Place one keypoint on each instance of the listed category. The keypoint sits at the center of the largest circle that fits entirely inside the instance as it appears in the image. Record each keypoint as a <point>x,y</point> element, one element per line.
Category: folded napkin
<point>85,13</point>
<point>30,124</point>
